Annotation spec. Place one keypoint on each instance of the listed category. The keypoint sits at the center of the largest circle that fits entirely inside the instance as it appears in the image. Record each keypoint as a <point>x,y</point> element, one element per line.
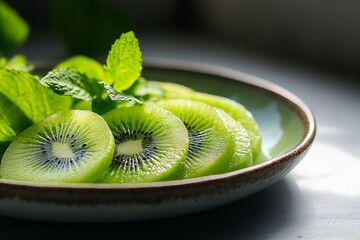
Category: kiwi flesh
<point>171,90</point>
<point>72,146</point>
<point>150,142</point>
<point>242,152</point>
<point>238,112</point>
<point>211,146</point>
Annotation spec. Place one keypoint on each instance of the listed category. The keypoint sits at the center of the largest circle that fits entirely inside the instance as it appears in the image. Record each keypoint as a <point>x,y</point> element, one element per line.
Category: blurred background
<point>320,33</point>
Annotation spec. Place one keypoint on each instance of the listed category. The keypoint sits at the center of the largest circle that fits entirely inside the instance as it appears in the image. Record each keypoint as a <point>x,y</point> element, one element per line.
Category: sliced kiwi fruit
<point>73,146</point>
<point>238,112</point>
<point>242,152</point>
<point>171,90</point>
<point>150,142</point>
<point>235,109</point>
<point>211,145</point>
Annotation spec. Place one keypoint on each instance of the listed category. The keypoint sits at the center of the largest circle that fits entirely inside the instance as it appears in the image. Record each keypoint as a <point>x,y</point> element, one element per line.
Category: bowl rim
<point>282,94</point>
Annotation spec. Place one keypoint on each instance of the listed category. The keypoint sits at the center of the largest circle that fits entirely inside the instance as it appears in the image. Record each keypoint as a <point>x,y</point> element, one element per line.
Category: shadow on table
<point>257,216</point>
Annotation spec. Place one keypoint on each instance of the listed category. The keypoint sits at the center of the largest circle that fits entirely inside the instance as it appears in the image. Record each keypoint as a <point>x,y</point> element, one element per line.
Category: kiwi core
<point>62,150</point>
<point>130,147</point>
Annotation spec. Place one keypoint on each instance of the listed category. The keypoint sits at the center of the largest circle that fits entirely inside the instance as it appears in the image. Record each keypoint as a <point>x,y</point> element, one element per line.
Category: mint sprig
<point>85,65</point>
<point>85,79</point>
<point>26,99</point>
<point>69,82</point>
<point>31,98</point>
<point>119,97</point>
<point>112,100</point>
<point>124,62</point>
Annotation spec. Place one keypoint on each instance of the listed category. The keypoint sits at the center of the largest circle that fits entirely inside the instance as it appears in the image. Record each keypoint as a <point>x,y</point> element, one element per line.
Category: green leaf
<point>85,65</point>
<point>13,29</point>
<point>124,62</point>
<point>3,62</point>
<point>101,106</point>
<point>33,99</point>
<point>69,82</point>
<point>89,27</point>
<point>12,122</point>
<point>112,100</point>
<point>116,96</point>
<point>20,63</point>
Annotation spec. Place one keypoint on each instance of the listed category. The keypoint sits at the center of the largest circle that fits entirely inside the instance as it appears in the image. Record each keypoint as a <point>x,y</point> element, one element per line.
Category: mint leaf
<point>85,65</point>
<point>12,122</point>
<point>19,62</point>
<point>33,99</point>
<point>119,97</point>
<point>13,29</point>
<point>113,100</point>
<point>3,62</point>
<point>124,63</point>
<point>69,82</point>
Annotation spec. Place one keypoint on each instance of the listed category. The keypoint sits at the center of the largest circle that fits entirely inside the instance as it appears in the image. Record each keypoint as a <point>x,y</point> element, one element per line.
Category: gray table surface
<point>319,199</point>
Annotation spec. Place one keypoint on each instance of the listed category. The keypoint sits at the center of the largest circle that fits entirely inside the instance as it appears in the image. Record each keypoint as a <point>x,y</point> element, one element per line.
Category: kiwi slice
<point>171,90</point>
<point>72,146</point>
<point>211,145</point>
<point>238,112</point>
<point>235,109</point>
<point>150,142</point>
<point>242,152</point>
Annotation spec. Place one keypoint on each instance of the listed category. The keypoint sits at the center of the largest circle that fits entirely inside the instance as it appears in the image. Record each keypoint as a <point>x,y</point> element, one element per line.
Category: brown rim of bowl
<point>206,69</point>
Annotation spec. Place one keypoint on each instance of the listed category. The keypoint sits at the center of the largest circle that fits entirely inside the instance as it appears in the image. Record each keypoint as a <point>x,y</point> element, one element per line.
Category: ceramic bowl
<point>288,129</point>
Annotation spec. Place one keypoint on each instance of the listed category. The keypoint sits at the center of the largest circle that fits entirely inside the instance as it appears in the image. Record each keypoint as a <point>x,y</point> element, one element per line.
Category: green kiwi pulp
<point>211,145</point>
<point>73,146</point>
<point>242,152</point>
<point>238,112</point>
<point>151,144</point>
<point>172,90</point>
